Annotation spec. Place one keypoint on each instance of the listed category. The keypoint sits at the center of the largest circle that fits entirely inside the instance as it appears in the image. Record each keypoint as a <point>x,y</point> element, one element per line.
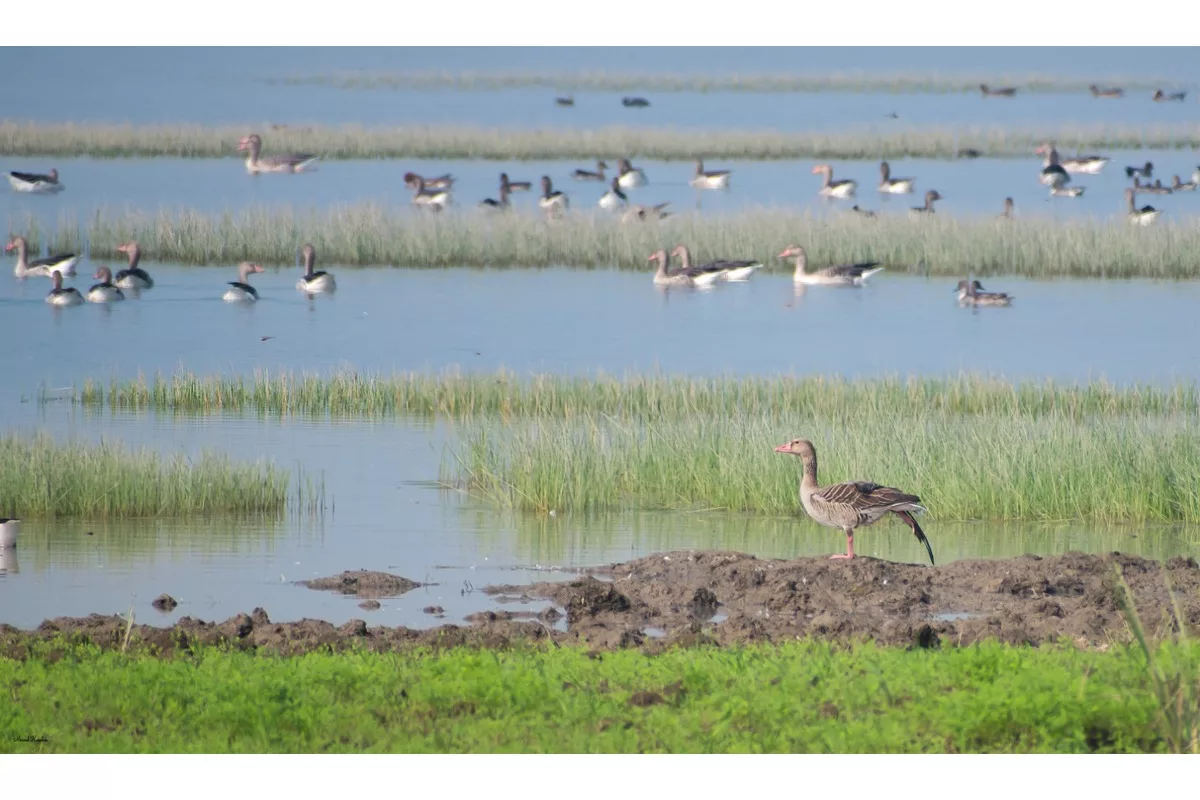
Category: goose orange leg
<point>849,545</point>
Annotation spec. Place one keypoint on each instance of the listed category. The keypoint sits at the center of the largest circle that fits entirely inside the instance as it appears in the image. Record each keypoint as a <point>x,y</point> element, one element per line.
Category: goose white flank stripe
<point>34,182</point>
<point>314,281</point>
<point>240,291</point>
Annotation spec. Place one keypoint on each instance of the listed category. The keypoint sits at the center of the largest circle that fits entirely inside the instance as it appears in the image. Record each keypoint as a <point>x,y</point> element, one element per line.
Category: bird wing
<point>30,177</point>
<point>864,499</point>
<point>849,270</point>
<point>50,261</point>
<point>291,159</point>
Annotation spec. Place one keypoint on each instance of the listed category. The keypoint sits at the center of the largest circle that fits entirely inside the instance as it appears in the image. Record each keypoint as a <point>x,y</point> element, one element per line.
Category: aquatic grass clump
<point>991,466</point>
<point>454,394</point>
<point>377,235</point>
<point>797,83</point>
<point>40,477</point>
<point>809,696</point>
<point>106,140</point>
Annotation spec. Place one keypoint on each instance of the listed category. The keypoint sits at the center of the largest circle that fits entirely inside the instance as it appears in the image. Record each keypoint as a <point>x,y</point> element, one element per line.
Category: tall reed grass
<point>456,395</point>
<point>376,235</point>
<point>601,81</point>
<point>991,466</point>
<point>105,140</point>
<point>40,477</point>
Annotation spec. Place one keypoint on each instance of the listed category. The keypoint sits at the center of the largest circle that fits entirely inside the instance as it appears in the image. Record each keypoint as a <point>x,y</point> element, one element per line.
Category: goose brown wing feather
<point>864,496</point>
<point>850,270</point>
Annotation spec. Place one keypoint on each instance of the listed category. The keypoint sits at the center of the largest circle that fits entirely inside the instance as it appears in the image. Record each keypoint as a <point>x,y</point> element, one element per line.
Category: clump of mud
<point>363,583</point>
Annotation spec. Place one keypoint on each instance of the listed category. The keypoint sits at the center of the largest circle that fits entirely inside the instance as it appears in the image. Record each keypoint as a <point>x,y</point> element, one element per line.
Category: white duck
<point>105,291</point>
<point>890,185</point>
<point>284,162</point>
<point>34,182</point>
<point>311,282</point>
<point>713,179</point>
<point>59,296</point>
<point>614,198</point>
<point>133,276</point>
<point>840,275</point>
<point>240,291</point>
<point>832,188</point>
<point>63,263</point>
<point>629,176</point>
<point>1146,215</point>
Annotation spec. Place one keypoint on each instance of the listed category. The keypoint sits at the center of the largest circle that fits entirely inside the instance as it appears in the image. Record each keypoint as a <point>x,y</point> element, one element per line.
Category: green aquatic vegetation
<point>40,477</point>
<point>102,140</point>
<point>374,235</point>
<point>457,395</point>
<point>603,81</point>
<point>796,697</point>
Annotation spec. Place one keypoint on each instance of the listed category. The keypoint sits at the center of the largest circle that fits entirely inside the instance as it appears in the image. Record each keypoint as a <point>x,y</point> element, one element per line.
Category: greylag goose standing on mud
<point>839,275</point>
<point>588,175</point>
<point>1146,215</point>
<point>725,269</point>
<point>927,209</point>
<point>890,185</point>
<point>971,293</point>
<point>713,179</point>
<point>1107,92</point>
<point>34,182</point>
<point>284,162</point>
<point>314,281</point>
<point>63,263</point>
<point>830,187</point>
<point>105,291</point>
<point>59,296</point>
<point>1002,91</point>
<point>853,504</point>
<point>133,276</point>
<point>240,291</point>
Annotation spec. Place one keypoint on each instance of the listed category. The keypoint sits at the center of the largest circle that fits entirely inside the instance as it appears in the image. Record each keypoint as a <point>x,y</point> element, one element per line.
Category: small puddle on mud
<point>954,616</point>
<point>655,633</point>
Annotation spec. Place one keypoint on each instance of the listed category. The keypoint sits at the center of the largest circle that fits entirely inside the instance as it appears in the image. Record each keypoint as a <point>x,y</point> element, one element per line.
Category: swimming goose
<point>1162,97</point>
<point>59,262</point>
<point>514,186</point>
<point>497,205</point>
<point>862,212</point>
<point>1005,91</point>
<point>614,198</point>
<point>1062,191</point>
<point>920,211</point>
<point>105,291</point>
<point>34,182</point>
<point>1145,171</point>
<point>586,175</point>
<point>725,269</point>
<point>853,504</point>
<point>551,201</point>
<point>564,101</point>
<point>832,188</point>
<point>1146,215</point>
<point>1052,171</point>
<point>1109,92</point>
<point>839,275</point>
<point>1088,165</point>
<point>663,276</point>
<point>701,274</point>
<point>435,199</point>
<point>284,162</point>
<point>640,213</point>
<point>971,293</point>
<point>634,102</point>
<point>713,179</point>
<point>890,185</point>
<point>63,297</point>
<point>133,276</point>
<point>630,176</point>
<point>241,290</point>
<point>1008,208</point>
<point>314,282</point>
<point>9,528</point>
<point>414,181</point>
<point>1180,186</point>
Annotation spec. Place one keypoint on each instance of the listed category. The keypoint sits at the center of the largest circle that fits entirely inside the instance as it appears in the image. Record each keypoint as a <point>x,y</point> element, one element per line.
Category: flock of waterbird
<point>434,193</point>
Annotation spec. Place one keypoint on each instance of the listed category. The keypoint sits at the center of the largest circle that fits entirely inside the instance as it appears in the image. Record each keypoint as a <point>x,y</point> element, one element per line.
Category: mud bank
<point>691,598</point>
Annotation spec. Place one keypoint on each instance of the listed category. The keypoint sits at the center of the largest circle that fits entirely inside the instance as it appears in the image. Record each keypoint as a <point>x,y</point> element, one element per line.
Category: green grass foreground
<point>798,697</point>
<point>103,140</point>
<point>375,235</point>
<point>599,81</point>
<point>40,477</point>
